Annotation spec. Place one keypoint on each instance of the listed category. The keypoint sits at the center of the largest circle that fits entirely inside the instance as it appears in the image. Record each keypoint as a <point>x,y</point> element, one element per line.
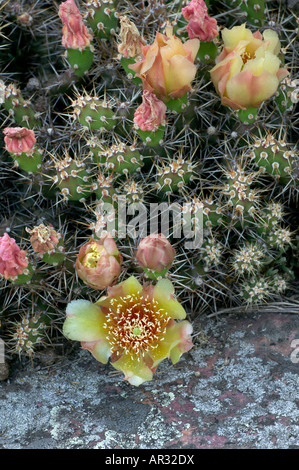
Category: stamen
<point>135,325</point>
<point>246,56</point>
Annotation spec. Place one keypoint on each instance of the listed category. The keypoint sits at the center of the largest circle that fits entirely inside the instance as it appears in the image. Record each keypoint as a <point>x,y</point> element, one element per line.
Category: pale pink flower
<point>43,238</point>
<point>200,24</point>
<point>75,35</point>
<point>167,66</point>
<point>13,260</point>
<point>247,70</point>
<point>155,253</point>
<point>19,140</point>
<point>98,262</point>
<point>151,113</point>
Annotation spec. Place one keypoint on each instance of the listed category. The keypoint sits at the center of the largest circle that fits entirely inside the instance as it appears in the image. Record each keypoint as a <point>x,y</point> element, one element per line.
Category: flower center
<point>43,234</point>
<point>93,256</point>
<point>135,325</point>
<point>246,56</point>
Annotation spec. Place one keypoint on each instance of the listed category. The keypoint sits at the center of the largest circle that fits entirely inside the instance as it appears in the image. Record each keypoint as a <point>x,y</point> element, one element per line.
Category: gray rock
<point>237,388</point>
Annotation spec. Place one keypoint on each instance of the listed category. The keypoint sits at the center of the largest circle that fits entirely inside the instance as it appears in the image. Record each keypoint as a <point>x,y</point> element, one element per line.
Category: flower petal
<point>192,46</point>
<point>100,349</point>
<point>178,72</point>
<point>177,340</point>
<point>163,294</point>
<point>282,73</point>
<point>128,287</point>
<point>270,63</point>
<point>162,350</point>
<point>255,66</point>
<point>248,90</point>
<point>154,77</point>
<point>232,37</point>
<point>229,66</point>
<point>272,37</point>
<point>136,372</point>
<point>84,321</point>
<point>183,330</point>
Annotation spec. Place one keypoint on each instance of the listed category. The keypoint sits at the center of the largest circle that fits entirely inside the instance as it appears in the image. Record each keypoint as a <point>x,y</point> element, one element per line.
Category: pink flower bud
<point>99,262</point>
<point>13,260</point>
<point>43,238</point>
<point>155,253</point>
<point>19,140</point>
<point>151,113</point>
<point>74,33</point>
<point>201,25</point>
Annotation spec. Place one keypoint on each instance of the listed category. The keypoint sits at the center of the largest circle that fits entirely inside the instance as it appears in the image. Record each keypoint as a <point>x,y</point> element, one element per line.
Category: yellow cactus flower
<point>247,71</point>
<point>134,325</point>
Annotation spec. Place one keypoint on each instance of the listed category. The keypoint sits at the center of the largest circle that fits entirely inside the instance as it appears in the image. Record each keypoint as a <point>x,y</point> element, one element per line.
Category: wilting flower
<point>131,40</point>
<point>134,325</point>
<point>247,71</point>
<point>155,253</point>
<point>19,140</point>
<point>200,24</point>
<point>43,238</point>
<point>167,66</point>
<point>13,260</point>
<point>75,35</point>
<point>98,262</point>
<point>151,113</point>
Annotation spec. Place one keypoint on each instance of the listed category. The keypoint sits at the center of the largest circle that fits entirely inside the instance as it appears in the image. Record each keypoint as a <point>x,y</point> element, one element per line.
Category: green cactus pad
<point>207,52</point>
<point>102,17</point>
<point>29,163</point>
<point>178,104</point>
<point>80,61</point>
<point>151,138</point>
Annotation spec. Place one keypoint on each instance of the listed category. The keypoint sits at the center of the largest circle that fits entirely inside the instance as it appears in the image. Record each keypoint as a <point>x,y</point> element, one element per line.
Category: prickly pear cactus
<point>141,117</point>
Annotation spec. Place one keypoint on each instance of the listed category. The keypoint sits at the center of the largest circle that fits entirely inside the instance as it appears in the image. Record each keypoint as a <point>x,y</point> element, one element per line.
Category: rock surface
<point>237,388</point>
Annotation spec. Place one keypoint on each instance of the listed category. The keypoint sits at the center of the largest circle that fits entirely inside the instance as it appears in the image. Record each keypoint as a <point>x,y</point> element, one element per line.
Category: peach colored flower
<point>131,40</point>
<point>134,325</point>
<point>13,260</point>
<point>155,252</point>
<point>167,66</point>
<point>98,262</point>
<point>247,71</point>
<point>200,24</point>
<point>151,113</point>
<point>19,140</point>
<point>43,238</point>
<point>75,35</point>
